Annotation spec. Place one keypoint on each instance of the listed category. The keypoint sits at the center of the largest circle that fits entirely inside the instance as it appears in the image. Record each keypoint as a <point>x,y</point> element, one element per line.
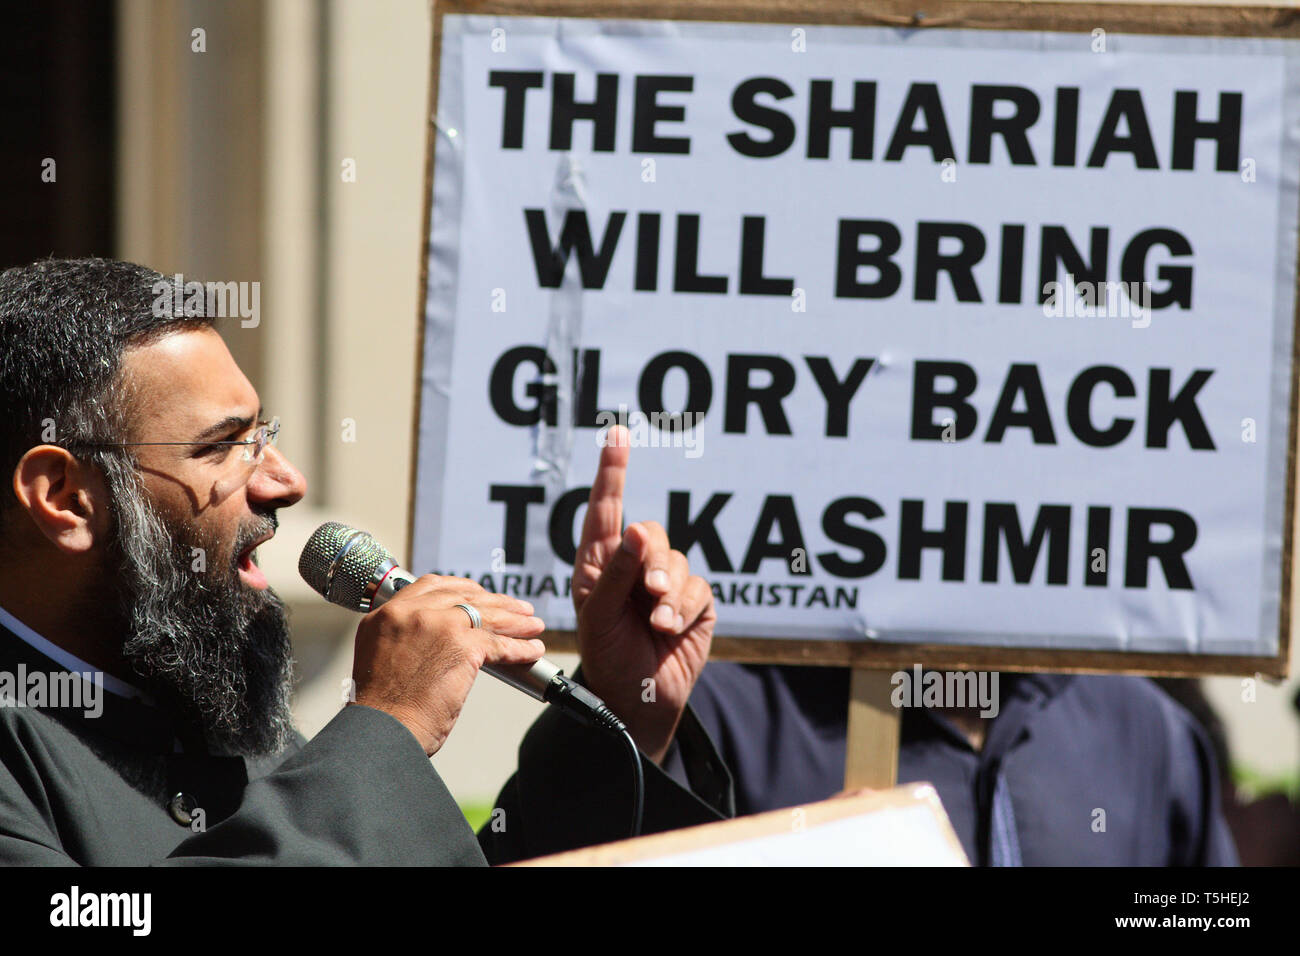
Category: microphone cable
<point>638,776</point>
<point>584,706</point>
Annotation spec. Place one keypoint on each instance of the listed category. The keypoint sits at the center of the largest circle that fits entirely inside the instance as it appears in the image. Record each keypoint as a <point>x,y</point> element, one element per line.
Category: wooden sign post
<point>872,757</point>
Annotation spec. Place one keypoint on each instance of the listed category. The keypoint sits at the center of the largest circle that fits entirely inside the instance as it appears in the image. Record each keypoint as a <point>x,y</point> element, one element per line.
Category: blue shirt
<point>1066,747</point>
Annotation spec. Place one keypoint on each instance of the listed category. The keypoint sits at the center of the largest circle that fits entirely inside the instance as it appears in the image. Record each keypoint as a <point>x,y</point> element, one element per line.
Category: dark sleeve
<point>362,791</point>
<point>574,788</point>
<point>28,836</point>
<point>1200,834</point>
<point>780,730</point>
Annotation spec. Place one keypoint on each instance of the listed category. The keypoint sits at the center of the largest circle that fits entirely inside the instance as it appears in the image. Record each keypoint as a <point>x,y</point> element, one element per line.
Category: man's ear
<point>66,498</point>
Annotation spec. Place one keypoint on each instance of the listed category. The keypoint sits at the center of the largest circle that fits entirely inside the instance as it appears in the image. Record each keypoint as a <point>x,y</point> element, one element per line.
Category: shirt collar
<point>1020,696</point>
<point>66,659</point>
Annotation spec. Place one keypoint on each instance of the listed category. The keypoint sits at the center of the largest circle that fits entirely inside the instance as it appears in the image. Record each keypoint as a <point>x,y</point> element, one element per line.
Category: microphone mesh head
<point>352,555</point>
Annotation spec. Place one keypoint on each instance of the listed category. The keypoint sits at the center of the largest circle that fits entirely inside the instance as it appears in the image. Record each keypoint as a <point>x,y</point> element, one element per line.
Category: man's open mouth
<point>249,572</point>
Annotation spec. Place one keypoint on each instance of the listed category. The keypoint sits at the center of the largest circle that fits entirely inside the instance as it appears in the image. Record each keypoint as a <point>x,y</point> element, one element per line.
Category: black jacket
<point>99,790</point>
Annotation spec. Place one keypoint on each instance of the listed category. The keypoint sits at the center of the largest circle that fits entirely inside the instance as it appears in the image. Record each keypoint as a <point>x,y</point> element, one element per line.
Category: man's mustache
<point>265,524</point>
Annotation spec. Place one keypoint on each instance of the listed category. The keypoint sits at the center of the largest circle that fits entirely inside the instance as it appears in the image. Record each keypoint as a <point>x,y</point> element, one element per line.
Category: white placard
<point>894,836</point>
<point>1114,480</point>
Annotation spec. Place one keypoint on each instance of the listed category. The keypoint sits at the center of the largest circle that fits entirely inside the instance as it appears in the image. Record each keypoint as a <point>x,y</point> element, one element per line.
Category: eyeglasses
<point>254,448</point>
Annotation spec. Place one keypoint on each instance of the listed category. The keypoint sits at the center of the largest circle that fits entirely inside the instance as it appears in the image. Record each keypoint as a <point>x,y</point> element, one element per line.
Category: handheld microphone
<point>351,569</point>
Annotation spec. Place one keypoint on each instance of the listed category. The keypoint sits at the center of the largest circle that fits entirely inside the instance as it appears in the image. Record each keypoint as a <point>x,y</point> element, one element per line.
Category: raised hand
<point>644,622</point>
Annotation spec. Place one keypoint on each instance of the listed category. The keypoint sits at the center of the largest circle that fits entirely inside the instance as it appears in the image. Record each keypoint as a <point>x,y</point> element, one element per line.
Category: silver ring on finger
<point>475,618</point>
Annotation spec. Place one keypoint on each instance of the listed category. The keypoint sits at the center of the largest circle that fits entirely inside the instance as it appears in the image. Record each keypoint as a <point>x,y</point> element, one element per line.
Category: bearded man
<point>144,476</point>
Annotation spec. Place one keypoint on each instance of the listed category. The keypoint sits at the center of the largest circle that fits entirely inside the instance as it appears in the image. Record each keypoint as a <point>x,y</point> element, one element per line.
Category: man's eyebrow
<point>226,426</point>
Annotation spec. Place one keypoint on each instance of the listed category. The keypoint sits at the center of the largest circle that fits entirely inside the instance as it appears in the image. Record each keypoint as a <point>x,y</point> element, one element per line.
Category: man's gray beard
<point>202,643</point>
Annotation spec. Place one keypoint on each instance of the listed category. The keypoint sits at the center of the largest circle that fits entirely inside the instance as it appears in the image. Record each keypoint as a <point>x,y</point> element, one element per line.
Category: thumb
<point>603,606</point>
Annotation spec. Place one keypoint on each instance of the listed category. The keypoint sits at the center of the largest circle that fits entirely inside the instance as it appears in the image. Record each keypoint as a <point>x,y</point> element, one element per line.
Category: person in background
<point>1072,770</point>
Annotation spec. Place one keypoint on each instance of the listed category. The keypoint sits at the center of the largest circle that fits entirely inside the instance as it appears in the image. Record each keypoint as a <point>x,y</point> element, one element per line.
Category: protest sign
<point>976,341</point>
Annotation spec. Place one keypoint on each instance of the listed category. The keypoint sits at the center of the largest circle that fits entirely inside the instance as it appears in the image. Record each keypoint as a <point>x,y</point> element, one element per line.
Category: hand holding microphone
<point>645,624</point>
<point>426,639</point>
<point>417,656</point>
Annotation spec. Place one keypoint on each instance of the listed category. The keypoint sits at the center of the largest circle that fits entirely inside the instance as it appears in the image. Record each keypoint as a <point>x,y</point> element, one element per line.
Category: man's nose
<point>275,481</point>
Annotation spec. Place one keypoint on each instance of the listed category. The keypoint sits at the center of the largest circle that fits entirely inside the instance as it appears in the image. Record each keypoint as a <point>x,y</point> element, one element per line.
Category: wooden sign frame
<point>1200,19</point>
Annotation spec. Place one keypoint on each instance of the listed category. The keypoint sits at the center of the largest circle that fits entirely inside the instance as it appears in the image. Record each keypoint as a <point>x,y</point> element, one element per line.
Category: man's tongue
<point>249,572</point>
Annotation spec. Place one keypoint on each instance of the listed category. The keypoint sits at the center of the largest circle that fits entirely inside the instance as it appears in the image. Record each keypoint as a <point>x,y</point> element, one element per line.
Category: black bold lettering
<point>699,387</point>
<point>565,111</point>
<point>1125,105</point>
<point>926,398</point>
<point>869,544</point>
<point>516,498</point>
<point>1022,379</point>
<point>1098,540</point>
<point>1163,410</point>
<point>741,393</point>
<point>1224,131</point>
<point>1011,272</point>
<point>647,251</point>
<point>838,394</point>
<point>586,378</point>
<point>747,110</point>
<point>950,539</point>
<point>501,387</point>
<point>686,263</point>
<point>648,111</point>
<point>1140,549</point>
<point>516,84</point>
<point>1013,129</point>
<point>563,517</point>
<point>922,99</point>
<point>959,265</point>
<point>778,512</point>
<point>1057,247</point>
<point>1065,136</point>
<point>686,532</point>
<point>850,258</point>
<point>1078,405</point>
<point>1002,522</point>
<point>860,119</point>
<point>752,280</point>
<point>1133,267</point>
<point>575,236</point>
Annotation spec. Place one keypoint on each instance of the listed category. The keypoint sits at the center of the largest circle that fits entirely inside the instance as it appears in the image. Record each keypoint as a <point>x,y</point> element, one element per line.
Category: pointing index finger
<point>605,505</point>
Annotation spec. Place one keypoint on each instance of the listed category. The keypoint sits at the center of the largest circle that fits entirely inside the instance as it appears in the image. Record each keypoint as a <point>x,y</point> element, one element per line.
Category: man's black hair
<point>64,326</point>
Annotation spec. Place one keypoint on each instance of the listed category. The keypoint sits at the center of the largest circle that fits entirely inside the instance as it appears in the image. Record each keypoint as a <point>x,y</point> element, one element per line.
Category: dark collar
<point>128,720</point>
<point>1020,697</point>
